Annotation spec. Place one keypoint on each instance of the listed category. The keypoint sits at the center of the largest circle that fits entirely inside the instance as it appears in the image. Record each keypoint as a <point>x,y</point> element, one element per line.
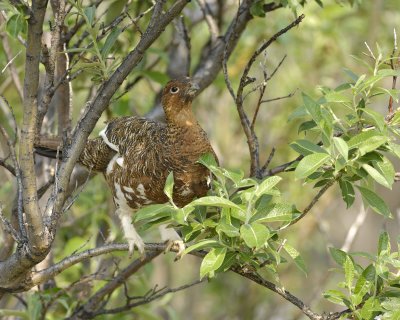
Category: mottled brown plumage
<point>136,155</point>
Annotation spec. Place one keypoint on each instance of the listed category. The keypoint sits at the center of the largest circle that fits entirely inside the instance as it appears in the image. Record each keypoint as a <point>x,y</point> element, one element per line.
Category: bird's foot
<point>138,243</point>
<point>177,246</point>
<point>173,240</point>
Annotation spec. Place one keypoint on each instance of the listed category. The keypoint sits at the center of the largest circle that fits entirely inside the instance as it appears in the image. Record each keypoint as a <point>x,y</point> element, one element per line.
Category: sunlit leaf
<point>376,175</point>
<point>254,235</point>
<point>212,261</point>
<point>348,267</point>
<point>306,147</point>
<point>153,211</point>
<point>338,255</point>
<point>295,255</point>
<point>208,243</point>
<point>374,201</point>
<point>384,243</point>
<point>342,147</point>
<point>169,185</point>
<point>310,164</point>
<point>266,185</point>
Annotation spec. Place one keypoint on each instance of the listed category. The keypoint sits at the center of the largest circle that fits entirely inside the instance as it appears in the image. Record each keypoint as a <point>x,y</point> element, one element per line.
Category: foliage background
<point>317,52</point>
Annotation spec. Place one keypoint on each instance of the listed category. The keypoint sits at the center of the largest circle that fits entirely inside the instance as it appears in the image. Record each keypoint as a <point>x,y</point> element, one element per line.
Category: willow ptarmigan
<point>136,155</point>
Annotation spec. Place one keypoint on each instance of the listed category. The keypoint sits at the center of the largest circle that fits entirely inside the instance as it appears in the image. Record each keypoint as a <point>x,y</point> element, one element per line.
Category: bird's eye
<point>174,90</point>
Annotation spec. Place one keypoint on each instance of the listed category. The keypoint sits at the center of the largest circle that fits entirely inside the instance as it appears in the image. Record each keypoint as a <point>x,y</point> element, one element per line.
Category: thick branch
<point>38,239</point>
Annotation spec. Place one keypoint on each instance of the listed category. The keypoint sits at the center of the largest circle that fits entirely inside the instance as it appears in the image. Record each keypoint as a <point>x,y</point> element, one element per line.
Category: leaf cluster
<point>373,291</point>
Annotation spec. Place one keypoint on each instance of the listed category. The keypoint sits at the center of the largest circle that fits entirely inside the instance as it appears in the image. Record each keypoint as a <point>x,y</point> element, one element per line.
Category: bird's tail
<point>50,147</point>
<point>96,155</point>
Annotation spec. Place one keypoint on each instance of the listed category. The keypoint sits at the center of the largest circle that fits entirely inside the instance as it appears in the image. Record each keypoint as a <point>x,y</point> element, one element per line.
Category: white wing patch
<point>110,165</point>
<point>107,142</point>
<point>120,162</point>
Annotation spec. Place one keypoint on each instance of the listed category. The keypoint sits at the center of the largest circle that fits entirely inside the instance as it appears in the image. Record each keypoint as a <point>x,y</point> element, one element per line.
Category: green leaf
<point>266,185</point>
<point>309,164</point>
<point>385,167</point>
<point>342,147</point>
<point>154,211</point>
<point>299,112</point>
<point>90,13</point>
<point>16,24</point>
<point>110,41</point>
<point>336,297</point>
<point>307,125</point>
<point>338,255</point>
<point>375,202</point>
<point>384,243</point>
<point>295,255</point>
<point>361,137</point>
<point>254,235</point>
<point>228,229</point>
<point>257,9</point>
<point>377,119</point>
<point>212,261</point>
<point>349,272</point>
<point>337,97</point>
<point>208,243</point>
<point>208,159</point>
<point>348,193</point>
<point>235,176</point>
<point>367,141</point>
<point>276,212</point>
<point>306,147</point>
<point>34,306</point>
<point>376,175</point>
<point>216,202</point>
<point>169,185</point>
<point>313,108</point>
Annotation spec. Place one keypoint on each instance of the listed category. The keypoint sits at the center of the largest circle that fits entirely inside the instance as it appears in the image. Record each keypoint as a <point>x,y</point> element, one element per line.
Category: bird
<point>136,155</point>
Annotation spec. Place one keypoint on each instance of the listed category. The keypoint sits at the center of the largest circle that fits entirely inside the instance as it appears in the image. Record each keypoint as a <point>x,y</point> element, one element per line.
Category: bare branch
<point>154,295</point>
<point>311,204</point>
<point>279,98</point>
<point>16,167</point>
<point>38,237</point>
<point>89,309</point>
<point>353,230</point>
<point>211,23</point>
<point>7,226</point>
<point>267,163</point>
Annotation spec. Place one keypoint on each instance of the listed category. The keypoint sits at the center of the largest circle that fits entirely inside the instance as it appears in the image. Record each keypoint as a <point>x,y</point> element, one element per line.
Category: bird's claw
<point>177,246</point>
<point>139,244</point>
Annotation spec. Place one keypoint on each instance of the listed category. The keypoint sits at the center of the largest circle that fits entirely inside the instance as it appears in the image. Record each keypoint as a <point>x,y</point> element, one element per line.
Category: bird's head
<point>177,98</point>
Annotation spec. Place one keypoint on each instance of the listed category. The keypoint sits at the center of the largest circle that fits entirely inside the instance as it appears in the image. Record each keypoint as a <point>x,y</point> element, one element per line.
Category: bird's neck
<point>185,119</point>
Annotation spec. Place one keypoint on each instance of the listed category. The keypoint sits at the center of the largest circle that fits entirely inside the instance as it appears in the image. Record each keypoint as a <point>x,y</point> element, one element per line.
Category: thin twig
<point>153,295</point>
<point>311,204</point>
<point>18,175</point>
<point>267,163</point>
<point>8,227</point>
<point>393,65</point>
<point>208,17</point>
<point>280,98</point>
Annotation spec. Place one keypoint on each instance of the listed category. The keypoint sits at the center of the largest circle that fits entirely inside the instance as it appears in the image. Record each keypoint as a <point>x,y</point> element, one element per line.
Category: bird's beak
<point>194,88</point>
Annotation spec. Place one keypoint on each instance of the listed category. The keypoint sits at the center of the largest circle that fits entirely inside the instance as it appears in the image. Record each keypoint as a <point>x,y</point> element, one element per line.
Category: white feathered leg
<point>130,233</point>
<point>124,213</point>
